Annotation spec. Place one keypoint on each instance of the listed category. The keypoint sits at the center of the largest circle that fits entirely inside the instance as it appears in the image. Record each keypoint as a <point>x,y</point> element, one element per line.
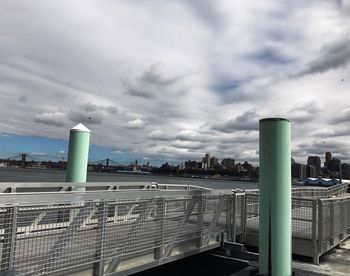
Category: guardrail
<point>120,228</point>
<point>320,219</point>
<point>111,232</point>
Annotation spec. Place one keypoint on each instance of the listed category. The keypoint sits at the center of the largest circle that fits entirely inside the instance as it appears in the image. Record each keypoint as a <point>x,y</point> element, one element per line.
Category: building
<point>299,171</point>
<point>335,165</point>
<point>213,162</point>
<point>326,182</point>
<point>345,171</point>
<point>328,158</point>
<point>228,163</point>
<point>311,171</point>
<point>206,161</point>
<point>316,162</point>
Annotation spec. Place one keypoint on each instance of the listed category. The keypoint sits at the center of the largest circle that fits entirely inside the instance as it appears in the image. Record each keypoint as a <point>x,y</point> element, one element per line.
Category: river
<point>40,175</point>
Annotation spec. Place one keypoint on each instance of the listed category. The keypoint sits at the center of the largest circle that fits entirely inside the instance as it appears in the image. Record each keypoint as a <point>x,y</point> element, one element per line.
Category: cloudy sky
<point>162,80</point>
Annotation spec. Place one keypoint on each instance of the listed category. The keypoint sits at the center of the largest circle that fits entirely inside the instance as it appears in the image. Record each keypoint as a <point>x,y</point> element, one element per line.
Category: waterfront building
<point>312,171</point>
<point>316,162</point>
<point>213,162</point>
<point>328,157</point>
<point>335,165</point>
<point>299,171</point>
<point>345,171</point>
<point>206,161</point>
<point>228,163</point>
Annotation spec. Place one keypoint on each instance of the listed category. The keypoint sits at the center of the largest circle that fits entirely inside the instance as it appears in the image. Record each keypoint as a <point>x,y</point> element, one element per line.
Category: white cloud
<point>190,76</point>
<point>136,124</point>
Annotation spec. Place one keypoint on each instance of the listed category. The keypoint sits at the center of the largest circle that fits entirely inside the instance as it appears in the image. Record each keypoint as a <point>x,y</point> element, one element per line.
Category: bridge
<point>123,228</point>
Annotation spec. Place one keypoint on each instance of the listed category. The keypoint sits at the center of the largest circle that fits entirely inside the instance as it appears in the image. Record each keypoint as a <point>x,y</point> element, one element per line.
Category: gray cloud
<point>304,112</point>
<point>151,84</point>
<point>333,56</point>
<point>247,121</point>
<point>86,117</point>
<point>342,116</point>
<point>329,132</point>
<point>188,145</point>
<point>160,135</point>
<point>22,99</point>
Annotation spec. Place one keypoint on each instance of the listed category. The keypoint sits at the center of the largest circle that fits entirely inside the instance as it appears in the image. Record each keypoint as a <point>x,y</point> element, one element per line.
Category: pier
<point>124,228</point>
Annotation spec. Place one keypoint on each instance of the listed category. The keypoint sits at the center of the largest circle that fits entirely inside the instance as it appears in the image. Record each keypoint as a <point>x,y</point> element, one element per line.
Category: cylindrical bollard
<point>275,222</point>
<point>78,154</point>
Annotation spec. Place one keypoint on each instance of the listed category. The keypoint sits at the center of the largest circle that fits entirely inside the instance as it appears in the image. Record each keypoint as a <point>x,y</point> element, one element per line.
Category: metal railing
<point>110,232</point>
<point>119,228</point>
<point>320,219</point>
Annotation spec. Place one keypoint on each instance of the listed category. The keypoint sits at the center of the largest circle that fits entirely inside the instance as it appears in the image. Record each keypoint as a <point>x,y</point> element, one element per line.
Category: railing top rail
<point>334,199</point>
<point>79,196</point>
<point>10,186</point>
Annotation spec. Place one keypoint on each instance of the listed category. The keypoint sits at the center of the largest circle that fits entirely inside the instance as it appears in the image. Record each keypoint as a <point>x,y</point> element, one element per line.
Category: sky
<point>167,81</point>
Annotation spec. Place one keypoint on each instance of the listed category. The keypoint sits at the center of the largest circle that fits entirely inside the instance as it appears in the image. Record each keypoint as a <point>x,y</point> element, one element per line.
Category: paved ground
<point>336,262</point>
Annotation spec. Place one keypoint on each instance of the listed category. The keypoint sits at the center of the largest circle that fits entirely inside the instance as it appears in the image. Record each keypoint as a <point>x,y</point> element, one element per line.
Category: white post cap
<point>80,127</point>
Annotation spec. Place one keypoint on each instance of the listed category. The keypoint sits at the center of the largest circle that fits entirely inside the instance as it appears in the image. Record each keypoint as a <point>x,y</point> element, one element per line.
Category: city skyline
<point>155,88</point>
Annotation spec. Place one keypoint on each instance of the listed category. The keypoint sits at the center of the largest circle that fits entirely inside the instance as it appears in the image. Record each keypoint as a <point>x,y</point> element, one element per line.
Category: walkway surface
<point>336,262</point>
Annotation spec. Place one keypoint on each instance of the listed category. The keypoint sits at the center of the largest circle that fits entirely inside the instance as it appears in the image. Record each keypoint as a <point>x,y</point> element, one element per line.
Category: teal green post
<point>275,223</point>
<point>78,154</point>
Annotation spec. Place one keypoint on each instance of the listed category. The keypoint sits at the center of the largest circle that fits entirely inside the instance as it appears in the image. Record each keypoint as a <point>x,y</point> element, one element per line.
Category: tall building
<point>335,165</point>
<point>228,163</point>
<point>213,162</point>
<point>311,171</point>
<point>345,170</point>
<point>328,158</point>
<point>206,161</point>
<point>316,162</point>
<point>299,171</point>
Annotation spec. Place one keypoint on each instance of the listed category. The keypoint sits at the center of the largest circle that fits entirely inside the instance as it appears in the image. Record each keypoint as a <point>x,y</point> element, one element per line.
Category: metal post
<point>314,232</point>
<point>98,267</point>
<point>160,217</point>
<point>200,218</point>
<point>78,153</point>
<point>9,241</point>
<point>275,198</point>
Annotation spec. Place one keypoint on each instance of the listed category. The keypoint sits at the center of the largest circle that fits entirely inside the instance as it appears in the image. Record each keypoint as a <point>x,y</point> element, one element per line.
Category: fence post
<point>9,243</point>
<point>200,220</point>
<point>314,232</point>
<point>160,217</point>
<point>98,267</point>
<point>320,226</point>
<point>229,217</point>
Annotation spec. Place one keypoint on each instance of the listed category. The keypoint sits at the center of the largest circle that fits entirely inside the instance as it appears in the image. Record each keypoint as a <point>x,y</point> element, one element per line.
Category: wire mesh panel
<point>252,212</point>
<point>45,239</point>
<point>335,222</point>
<point>302,218</point>
<point>239,213</point>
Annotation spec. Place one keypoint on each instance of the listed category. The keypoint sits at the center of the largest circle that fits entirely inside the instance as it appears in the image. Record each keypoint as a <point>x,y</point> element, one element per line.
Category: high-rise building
<point>299,171</point>
<point>228,163</point>
<point>213,162</point>
<point>311,171</point>
<point>345,171</point>
<point>328,159</point>
<point>316,162</point>
<point>206,161</point>
<point>335,165</point>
